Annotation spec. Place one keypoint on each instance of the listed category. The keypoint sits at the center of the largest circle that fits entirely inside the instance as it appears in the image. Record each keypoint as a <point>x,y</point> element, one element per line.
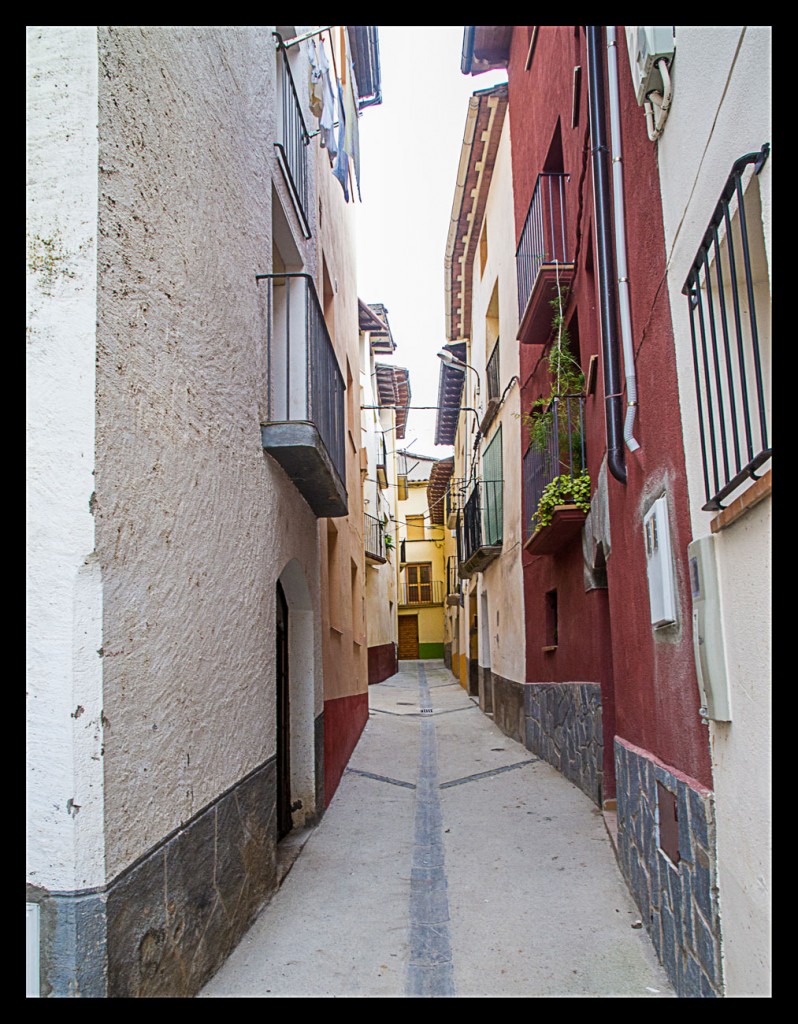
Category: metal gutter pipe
<point>620,242</point>
<point>608,309</point>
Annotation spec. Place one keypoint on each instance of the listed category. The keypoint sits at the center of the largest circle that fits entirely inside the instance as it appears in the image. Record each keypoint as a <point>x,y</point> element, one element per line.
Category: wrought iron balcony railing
<point>542,255</point>
<point>430,592</point>
<point>562,454</point>
<point>293,137</point>
<point>481,528</point>
<point>455,499</point>
<point>728,319</point>
<point>304,427</point>
<point>374,537</point>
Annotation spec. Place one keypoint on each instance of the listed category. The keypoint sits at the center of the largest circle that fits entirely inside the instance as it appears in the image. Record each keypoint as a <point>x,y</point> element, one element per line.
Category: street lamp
<point>446,357</point>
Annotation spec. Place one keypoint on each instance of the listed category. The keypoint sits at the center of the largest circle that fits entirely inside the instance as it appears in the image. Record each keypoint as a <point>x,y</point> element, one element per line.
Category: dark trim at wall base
<point>318,751</point>
<point>163,927</point>
<point>447,655</point>
<point>678,902</point>
<point>564,727</point>
<point>485,689</point>
<point>430,651</point>
<point>344,719</point>
<point>508,706</point>
<point>383,662</point>
<point>472,677</point>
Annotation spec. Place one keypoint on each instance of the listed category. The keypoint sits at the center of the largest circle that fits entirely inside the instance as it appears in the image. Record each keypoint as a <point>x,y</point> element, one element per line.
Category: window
<point>415,527</point>
<point>728,300</point>
<point>493,502</point>
<point>419,583</point>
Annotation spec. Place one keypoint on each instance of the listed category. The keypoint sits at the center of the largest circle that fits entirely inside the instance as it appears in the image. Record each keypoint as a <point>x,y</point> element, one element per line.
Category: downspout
<point>601,201</point>
<point>620,242</point>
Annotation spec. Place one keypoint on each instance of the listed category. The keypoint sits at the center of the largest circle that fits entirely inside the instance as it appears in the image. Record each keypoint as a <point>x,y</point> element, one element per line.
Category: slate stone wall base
<point>164,926</point>
<point>678,901</point>
<point>508,707</point>
<point>485,689</point>
<point>563,726</point>
<point>72,930</point>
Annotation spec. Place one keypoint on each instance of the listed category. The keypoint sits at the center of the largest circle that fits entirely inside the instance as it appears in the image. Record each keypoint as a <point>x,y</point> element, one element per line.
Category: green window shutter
<point>492,485</point>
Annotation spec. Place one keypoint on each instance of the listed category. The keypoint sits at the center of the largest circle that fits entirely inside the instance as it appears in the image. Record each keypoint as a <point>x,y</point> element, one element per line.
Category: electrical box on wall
<point>708,646</point>
<point>659,563</point>
<point>647,45</point>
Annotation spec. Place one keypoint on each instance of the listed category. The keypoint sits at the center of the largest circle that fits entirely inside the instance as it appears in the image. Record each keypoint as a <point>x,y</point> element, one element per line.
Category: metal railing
<point>305,382</point>
<point>430,592</point>
<point>725,327</point>
<point>452,577</point>
<point>482,523</point>
<point>543,239</point>
<point>561,454</point>
<point>493,373</point>
<point>455,496</point>
<point>374,537</point>
<point>294,137</point>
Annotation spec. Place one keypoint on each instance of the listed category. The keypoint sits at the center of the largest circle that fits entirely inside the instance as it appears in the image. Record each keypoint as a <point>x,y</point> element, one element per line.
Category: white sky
<point>409,153</point>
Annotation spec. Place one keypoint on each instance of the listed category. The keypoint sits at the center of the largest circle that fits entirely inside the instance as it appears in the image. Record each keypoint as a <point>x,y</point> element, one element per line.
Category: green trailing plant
<point>388,542</point>
<point>561,488</point>
<point>566,378</point>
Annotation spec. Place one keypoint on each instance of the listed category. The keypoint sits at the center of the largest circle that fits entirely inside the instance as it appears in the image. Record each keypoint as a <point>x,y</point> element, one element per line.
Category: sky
<point>409,153</point>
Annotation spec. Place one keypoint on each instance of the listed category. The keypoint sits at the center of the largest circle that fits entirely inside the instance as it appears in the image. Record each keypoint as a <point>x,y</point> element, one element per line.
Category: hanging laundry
<point>352,143</point>
<point>327,119</point>
<point>341,169</point>
<point>315,82</point>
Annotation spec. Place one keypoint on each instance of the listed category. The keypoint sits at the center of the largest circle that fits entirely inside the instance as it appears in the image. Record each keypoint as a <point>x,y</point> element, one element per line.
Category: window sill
<point>551,647</point>
<point>756,493</point>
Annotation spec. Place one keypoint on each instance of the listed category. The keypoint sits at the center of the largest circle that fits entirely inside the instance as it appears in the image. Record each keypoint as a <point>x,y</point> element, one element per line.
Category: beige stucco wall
<point>194,522</point>
<point>721,111</point>
<point>430,620</point>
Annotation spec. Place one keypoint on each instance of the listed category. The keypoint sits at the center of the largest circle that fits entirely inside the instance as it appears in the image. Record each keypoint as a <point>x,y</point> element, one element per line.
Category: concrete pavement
<point>450,863</point>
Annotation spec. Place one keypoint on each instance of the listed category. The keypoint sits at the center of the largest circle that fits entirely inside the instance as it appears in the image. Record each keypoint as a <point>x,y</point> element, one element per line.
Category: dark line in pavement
<point>485,775</point>
<point>430,969</point>
<point>380,778</point>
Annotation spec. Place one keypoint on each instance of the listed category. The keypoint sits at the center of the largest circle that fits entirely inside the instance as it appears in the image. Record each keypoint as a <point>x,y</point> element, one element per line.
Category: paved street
<point>451,862</point>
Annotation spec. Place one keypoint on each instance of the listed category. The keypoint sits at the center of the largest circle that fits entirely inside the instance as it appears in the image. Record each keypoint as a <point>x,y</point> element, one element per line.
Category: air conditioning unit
<point>646,46</point>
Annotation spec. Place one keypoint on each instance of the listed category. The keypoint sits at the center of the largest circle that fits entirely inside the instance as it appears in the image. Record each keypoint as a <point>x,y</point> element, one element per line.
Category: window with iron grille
<point>728,297</point>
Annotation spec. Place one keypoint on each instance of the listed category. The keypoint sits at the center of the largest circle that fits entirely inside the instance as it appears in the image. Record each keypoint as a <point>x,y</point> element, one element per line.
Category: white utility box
<point>647,45</point>
<point>659,563</point>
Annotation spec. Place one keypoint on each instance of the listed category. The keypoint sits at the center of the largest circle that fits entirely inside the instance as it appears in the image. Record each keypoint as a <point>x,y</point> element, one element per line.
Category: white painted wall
<point>721,111</point>
<point>64,583</point>
<point>502,580</point>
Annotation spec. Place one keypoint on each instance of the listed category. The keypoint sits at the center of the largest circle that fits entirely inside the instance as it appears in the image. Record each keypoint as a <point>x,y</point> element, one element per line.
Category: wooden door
<point>408,636</point>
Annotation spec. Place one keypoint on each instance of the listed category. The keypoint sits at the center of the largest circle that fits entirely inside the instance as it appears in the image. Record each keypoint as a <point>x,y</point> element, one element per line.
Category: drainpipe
<point>620,242</point>
<point>601,200</point>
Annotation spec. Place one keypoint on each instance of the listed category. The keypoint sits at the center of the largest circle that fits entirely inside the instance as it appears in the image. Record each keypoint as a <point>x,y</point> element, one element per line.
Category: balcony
<point>561,458</point>
<point>417,595</point>
<point>493,375</point>
<point>304,428</point>
<point>455,493</point>
<point>374,538</point>
<point>542,260</point>
<point>293,138</point>
<point>480,532</point>
<point>452,581</point>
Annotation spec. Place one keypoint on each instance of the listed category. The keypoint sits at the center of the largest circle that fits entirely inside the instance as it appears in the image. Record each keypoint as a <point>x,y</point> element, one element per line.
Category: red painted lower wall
<point>382,662</point>
<point>344,720</point>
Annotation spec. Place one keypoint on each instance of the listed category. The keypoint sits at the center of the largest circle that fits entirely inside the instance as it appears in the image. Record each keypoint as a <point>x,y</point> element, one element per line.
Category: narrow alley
<point>409,886</point>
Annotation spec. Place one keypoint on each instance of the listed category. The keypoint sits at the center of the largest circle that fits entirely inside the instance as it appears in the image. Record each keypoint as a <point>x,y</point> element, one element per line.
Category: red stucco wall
<point>344,720</point>
<point>608,638</point>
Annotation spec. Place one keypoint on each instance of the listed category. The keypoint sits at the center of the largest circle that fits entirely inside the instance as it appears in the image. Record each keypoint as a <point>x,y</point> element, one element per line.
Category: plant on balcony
<point>558,492</point>
<point>566,379</point>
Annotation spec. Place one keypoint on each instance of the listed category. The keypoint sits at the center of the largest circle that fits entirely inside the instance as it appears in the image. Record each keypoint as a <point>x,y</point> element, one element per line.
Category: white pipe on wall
<point>620,243</point>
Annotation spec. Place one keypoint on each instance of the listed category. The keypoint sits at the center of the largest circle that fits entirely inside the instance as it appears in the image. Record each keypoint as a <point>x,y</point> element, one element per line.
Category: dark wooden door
<point>283,720</point>
<point>408,636</point>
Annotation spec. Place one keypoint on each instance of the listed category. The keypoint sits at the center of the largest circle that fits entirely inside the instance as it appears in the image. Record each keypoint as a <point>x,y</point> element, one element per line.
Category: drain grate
<point>426,711</point>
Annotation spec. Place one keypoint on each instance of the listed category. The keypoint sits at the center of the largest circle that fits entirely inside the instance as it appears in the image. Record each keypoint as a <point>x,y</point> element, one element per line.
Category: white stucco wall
<point>502,580</point>
<point>721,111</point>
<point>64,586</point>
<point>195,523</point>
